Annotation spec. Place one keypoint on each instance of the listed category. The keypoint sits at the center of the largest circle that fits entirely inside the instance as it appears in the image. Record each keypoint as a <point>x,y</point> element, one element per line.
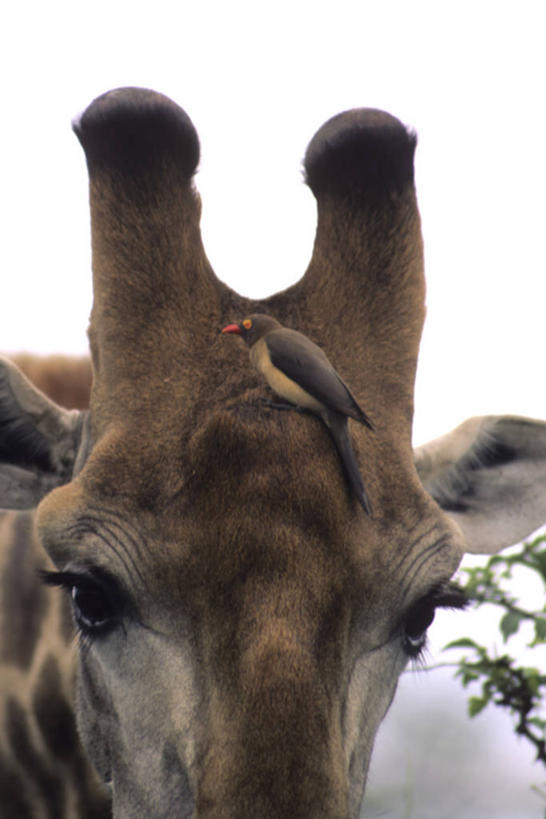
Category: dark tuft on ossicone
<point>137,131</point>
<point>360,152</point>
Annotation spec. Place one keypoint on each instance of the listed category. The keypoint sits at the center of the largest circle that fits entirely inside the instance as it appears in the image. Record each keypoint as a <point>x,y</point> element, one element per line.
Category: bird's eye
<point>96,606</point>
<point>247,324</point>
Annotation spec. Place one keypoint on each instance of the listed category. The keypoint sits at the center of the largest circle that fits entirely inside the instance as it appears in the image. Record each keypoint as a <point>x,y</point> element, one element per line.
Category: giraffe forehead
<point>200,533</point>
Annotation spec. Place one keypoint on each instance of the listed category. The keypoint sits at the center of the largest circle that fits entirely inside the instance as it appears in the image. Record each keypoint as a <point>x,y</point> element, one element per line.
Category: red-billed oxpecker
<point>299,371</point>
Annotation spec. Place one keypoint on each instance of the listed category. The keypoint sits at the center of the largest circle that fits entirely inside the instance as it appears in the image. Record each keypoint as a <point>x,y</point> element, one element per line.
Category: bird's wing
<point>306,364</point>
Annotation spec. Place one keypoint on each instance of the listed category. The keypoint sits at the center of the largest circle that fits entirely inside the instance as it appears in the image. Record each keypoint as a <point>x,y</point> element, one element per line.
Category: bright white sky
<point>258,80</point>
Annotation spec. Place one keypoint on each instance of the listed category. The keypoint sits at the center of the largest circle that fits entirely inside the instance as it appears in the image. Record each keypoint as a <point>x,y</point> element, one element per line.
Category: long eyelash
<point>84,640</point>
<point>86,578</point>
<point>450,596</point>
<point>65,581</point>
<point>61,580</point>
<point>421,660</point>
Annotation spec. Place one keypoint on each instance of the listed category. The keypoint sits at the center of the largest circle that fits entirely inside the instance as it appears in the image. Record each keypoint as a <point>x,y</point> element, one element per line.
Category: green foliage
<point>504,682</point>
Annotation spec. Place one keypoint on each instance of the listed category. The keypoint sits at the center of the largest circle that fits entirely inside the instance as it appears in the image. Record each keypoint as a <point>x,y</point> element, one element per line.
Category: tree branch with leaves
<point>504,682</point>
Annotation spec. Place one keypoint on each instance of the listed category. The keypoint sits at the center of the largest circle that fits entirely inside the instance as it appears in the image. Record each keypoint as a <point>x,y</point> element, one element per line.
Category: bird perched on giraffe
<point>299,371</point>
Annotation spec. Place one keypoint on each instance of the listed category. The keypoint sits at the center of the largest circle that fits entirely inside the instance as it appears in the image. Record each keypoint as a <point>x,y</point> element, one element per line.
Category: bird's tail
<point>339,430</point>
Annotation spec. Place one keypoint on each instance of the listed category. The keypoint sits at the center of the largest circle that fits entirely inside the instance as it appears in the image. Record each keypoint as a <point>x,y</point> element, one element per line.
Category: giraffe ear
<point>39,441</point>
<point>489,475</point>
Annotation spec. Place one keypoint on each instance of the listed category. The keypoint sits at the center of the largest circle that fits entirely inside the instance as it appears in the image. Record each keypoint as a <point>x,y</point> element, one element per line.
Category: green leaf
<point>540,628</point>
<point>510,624</point>
<point>541,563</point>
<point>475,705</point>
<point>468,676</point>
<point>537,722</point>
<point>464,642</point>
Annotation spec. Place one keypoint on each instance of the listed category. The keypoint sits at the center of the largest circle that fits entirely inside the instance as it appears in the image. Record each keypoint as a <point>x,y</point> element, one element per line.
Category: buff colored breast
<point>279,382</point>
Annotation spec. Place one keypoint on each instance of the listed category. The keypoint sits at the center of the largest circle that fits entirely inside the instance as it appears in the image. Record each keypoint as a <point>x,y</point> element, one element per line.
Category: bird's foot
<point>281,405</point>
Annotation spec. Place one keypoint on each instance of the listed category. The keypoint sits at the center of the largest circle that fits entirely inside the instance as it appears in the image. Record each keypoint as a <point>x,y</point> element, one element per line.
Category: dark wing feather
<point>306,364</point>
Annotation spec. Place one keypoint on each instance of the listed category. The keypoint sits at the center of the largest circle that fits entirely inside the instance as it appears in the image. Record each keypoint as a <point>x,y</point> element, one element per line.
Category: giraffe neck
<point>44,771</point>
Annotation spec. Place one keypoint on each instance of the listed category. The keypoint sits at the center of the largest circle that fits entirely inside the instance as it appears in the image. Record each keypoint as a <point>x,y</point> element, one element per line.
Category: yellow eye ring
<point>247,324</point>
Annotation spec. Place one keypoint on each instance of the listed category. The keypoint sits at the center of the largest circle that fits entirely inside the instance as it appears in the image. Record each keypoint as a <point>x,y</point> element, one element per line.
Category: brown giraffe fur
<point>44,771</point>
<point>252,620</point>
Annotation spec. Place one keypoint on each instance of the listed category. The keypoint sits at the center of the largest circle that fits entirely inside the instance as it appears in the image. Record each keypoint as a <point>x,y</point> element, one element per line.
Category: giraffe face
<point>202,633</point>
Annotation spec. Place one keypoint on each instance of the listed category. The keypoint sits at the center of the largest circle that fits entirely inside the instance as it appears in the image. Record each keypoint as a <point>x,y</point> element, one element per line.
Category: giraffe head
<point>243,623</point>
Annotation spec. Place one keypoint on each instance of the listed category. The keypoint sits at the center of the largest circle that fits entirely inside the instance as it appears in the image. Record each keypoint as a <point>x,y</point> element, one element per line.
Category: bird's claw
<point>281,405</point>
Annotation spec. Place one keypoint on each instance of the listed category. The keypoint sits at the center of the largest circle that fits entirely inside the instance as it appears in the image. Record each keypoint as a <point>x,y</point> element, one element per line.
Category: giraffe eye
<point>94,612</point>
<point>96,602</point>
<point>417,623</point>
<point>421,615</point>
